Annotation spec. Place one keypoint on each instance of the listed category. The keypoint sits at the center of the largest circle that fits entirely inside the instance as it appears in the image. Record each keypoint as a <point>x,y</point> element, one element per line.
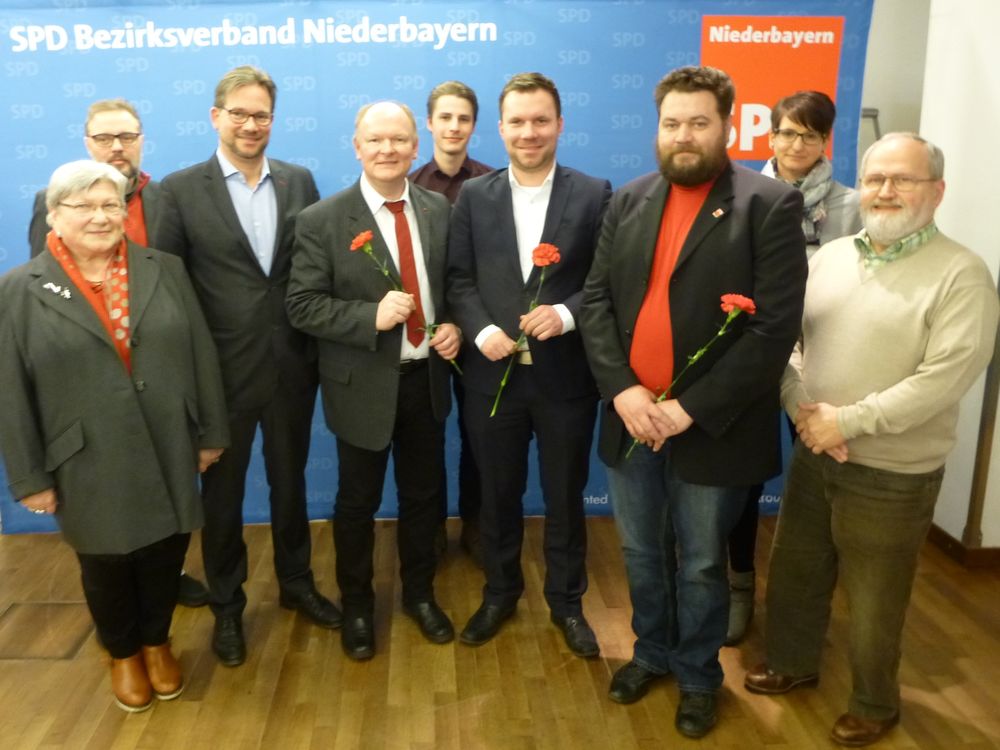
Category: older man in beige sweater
<point>899,321</point>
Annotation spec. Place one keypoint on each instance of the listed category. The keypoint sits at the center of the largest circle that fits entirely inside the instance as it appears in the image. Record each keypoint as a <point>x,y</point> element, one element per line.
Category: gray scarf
<point>814,188</point>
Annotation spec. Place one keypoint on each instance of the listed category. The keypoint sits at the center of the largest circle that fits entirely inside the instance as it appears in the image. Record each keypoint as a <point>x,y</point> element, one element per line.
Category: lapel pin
<point>57,289</point>
<point>717,213</point>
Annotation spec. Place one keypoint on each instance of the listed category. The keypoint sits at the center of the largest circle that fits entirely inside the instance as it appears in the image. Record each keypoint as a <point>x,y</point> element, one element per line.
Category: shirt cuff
<point>567,318</point>
<point>485,334</point>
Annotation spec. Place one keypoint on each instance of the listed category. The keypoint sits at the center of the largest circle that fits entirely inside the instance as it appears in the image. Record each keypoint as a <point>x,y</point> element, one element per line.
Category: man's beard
<point>127,168</point>
<point>886,229</point>
<point>690,174</point>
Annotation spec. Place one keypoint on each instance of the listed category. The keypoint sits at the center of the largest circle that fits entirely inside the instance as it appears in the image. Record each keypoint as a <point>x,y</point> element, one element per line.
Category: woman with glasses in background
<point>801,125</point>
<point>112,403</point>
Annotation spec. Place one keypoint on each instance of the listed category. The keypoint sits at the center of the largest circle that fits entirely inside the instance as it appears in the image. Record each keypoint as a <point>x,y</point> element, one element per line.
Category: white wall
<point>960,112</point>
<point>894,72</point>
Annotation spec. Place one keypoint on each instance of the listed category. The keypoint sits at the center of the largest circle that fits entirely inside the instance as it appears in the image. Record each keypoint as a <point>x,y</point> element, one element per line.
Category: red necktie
<point>408,271</point>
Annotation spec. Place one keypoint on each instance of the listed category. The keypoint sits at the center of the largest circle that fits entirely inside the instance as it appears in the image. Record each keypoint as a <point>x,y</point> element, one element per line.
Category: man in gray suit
<point>113,135</point>
<point>368,282</point>
<point>232,220</point>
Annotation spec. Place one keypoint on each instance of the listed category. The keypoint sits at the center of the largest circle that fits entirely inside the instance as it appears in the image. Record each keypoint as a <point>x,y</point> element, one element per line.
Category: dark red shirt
<point>430,177</point>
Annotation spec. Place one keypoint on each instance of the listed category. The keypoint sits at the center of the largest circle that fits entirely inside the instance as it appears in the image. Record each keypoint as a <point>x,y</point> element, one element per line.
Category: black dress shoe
<point>192,592</point>
<point>631,682</point>
<point>696,714</point>
<point>227,640</point>
<point>579,637</point>
<point>313,605</point>
<point>358,637</point>
<point>485,624</point>
<point>433,622</point>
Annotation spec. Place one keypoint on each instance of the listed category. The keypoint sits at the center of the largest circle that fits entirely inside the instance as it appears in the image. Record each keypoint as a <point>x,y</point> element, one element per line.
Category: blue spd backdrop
<point>329,58</point>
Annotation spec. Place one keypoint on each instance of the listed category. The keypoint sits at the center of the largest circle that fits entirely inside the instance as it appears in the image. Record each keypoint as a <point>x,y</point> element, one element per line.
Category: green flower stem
<point>430,329</point>
<point>510,365</point>
<point>381,265</point>
<point>723,330</point>
<point>522,339</point>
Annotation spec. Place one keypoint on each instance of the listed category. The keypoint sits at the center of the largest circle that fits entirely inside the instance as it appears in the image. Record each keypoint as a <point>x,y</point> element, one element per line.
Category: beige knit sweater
<point>894,348</point>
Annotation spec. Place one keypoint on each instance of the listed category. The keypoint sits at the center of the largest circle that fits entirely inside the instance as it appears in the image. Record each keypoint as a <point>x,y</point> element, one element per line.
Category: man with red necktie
<point>368,282</point>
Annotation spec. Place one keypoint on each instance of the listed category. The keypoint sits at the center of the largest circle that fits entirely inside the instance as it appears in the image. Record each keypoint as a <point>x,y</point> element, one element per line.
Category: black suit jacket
<point>746,239</point>
<point>39,227</point>
<point>244,307</point>
<point>484,275</point>
<point>334,294</point>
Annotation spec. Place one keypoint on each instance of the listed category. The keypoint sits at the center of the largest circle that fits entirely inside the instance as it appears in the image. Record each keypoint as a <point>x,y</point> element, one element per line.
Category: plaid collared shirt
<point>899,249</point>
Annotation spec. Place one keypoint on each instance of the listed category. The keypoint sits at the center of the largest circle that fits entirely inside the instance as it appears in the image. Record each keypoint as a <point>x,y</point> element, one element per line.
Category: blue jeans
<point>674,540</point>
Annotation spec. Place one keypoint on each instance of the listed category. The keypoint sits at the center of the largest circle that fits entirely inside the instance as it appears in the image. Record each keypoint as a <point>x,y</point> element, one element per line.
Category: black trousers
<point>743,537</point>
<point>132,596</point>
<point>564,430</point>
<point>470,498</point>
<point>417,449</point>
<point>286,426</point>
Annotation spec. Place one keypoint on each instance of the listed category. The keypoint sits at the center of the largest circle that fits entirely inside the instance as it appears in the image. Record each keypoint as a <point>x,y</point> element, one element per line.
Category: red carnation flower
<point>732,302</point>
<point>361,240</point>
<point>545,255</point>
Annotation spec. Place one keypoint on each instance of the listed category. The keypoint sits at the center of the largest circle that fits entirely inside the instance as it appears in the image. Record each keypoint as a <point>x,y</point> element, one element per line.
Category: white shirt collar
<point>376,200</point>
<point>515,184</point>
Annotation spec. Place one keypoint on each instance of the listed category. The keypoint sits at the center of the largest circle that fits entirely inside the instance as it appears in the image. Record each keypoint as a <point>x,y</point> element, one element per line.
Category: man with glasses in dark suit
<point>232,219</point>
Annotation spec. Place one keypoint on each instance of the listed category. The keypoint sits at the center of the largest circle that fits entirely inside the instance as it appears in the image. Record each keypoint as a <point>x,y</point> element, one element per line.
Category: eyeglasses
<point>86,210</point>
<point>787,137</point>
<point>239,116</point>
<point>901,182</point>
<point>106,139</point>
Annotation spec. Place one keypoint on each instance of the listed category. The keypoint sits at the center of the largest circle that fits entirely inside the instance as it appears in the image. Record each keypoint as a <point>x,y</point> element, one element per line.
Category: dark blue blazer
<point>485,285</point>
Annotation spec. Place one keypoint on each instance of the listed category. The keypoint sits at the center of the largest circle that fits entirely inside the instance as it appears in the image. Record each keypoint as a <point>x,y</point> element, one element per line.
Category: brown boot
<point>130,684</point>
<point>164,671</point>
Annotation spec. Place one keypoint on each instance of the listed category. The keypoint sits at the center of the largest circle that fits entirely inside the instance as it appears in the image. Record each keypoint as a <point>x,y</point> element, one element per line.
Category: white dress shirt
<point>530,204</point>
<point>386,222</point>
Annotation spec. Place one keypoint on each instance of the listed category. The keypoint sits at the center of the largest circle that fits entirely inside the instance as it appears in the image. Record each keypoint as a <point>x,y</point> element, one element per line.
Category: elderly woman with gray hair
<point>112,403</point>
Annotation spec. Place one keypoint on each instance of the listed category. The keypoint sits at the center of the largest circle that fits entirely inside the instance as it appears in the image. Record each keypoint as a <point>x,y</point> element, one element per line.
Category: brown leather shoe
<point>164,671</point>
<point>762,680</point>
<point>130,684</point>
<point>854,731</point>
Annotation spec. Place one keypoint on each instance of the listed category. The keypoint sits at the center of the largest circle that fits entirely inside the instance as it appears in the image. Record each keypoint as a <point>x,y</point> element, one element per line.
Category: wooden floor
<point>522,691</point>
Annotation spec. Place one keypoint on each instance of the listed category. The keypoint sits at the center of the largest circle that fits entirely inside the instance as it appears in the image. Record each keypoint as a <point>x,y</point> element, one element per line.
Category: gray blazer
<point>39,226</point>
<point>120,449</point>
<point>333,294</point>
<point>244,307</point>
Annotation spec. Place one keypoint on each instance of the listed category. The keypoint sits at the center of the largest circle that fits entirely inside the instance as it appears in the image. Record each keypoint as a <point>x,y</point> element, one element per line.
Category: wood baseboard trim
<point>978,557</point>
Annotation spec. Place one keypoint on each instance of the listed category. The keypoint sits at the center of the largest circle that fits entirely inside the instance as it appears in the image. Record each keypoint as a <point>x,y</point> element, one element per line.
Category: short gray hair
<point>366,108</point>
<point>935,156</point>
<point>77,176</point>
